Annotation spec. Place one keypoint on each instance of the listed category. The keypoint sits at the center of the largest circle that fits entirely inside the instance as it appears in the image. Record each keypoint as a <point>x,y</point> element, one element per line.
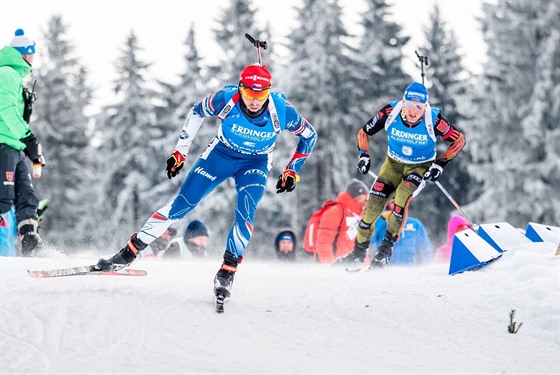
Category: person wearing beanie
<point>413,128</point>
<point>23,45</point>
<point>195,229</point>
<point>338,224</point>
<point>251,116</point>
<point>356,188</point>
<point>196,239</point>
<point>17,141</point>
<point>285,245</point>
<point>193,242</point>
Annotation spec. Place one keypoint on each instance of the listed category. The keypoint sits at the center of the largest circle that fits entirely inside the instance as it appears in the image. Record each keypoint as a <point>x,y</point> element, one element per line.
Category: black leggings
<point>16,188</point>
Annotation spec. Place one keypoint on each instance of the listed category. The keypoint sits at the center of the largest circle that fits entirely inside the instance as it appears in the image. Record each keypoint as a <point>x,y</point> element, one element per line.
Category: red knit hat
<point>256,77</point>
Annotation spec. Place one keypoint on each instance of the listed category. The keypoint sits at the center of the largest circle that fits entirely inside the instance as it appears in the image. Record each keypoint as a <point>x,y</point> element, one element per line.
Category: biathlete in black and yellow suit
<point>413,129</point>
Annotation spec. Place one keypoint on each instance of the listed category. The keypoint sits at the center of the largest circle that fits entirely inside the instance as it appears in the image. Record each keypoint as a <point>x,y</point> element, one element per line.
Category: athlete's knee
<point>413,183</point>
<point>374,208</point>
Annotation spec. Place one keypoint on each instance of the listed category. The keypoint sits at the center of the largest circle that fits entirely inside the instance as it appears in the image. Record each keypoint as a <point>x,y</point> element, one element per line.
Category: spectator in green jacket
<point>18,141</point>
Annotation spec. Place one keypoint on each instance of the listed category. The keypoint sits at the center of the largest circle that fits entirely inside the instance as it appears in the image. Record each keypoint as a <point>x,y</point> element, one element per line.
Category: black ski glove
<point>434,172</point>
<point>287,181</point>
<point>364,163</point>
<point>33,149</point>
<point>174,164</point>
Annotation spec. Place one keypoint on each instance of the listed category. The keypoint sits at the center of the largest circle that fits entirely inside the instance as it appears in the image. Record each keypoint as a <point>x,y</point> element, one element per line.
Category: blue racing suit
<point>242,149</point>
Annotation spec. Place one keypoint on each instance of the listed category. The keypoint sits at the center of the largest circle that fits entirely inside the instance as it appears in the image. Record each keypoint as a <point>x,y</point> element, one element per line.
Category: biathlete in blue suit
<point>252,117</point>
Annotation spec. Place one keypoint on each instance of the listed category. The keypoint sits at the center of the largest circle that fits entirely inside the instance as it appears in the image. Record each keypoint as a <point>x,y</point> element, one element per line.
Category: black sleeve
<point>449,133</point>
<point>377,122</point>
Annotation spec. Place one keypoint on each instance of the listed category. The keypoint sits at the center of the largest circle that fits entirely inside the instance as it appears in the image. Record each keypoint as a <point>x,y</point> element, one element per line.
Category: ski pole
<point>372,174</point>
<point>258,45</point>
<point>474,225</point>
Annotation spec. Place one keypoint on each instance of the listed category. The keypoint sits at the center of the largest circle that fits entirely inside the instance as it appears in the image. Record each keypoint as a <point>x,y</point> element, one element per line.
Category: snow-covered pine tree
<point>445,74</point>
<point>380,50</point>
<point>177,100</point>
<point>543,117</point>
<point>61,126</point>
<point>236,19</point>
<point>325,83</point>
<point>130,156</point>
<point>514,141</point>
<point>447,81</point>
<point>269,55</point>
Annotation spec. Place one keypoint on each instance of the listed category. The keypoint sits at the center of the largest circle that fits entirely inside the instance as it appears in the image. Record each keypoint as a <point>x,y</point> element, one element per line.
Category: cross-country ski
<point>83,271</point>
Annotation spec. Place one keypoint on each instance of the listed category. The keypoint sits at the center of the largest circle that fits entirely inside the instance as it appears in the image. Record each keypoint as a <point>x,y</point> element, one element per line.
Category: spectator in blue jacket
<point>413,246</point>
<point>9,229</point>
<point>8,234</point>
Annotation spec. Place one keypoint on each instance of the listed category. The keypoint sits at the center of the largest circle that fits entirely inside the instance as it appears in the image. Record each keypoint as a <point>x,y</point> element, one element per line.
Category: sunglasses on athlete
<point>415,105</point>
<point>252,94</point>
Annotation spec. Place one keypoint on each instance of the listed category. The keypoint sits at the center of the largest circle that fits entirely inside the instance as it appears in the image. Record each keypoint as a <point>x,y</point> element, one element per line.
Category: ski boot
<point>123,258</point>
<point>223,281</point>
<point>30,239</point>
<point>224,277</point>
<point>381,259</point>
<point>356,257</point>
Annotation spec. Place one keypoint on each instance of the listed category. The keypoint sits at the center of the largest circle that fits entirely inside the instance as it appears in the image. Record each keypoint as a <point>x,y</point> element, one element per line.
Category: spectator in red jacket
<point>338,225</point>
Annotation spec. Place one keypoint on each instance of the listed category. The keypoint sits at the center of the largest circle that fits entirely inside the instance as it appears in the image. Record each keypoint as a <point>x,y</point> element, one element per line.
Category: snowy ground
<point>283,319</point>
